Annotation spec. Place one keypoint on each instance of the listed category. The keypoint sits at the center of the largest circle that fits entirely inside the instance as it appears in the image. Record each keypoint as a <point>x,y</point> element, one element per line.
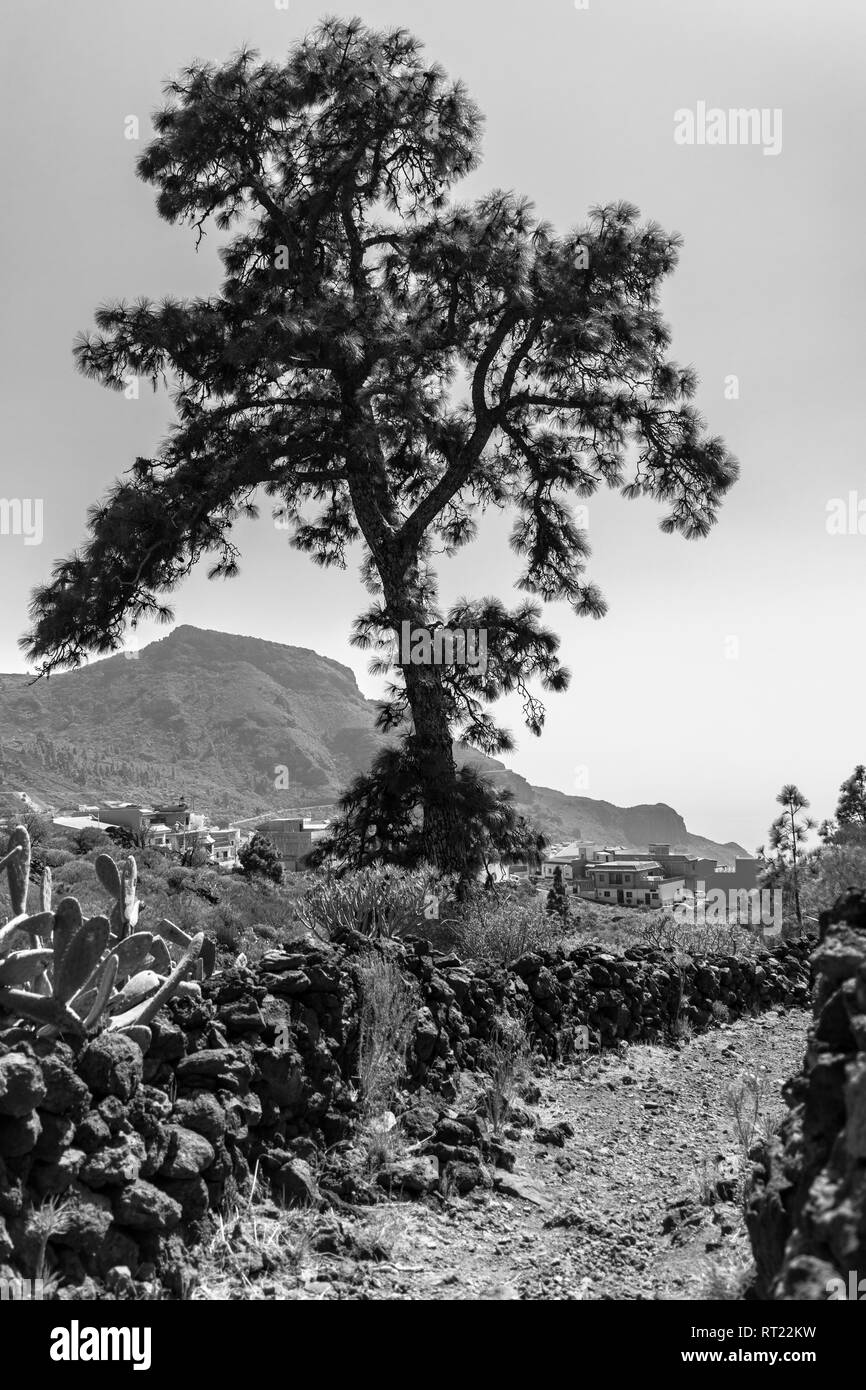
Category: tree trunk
<point>444,834</point>
<point>796,872</point>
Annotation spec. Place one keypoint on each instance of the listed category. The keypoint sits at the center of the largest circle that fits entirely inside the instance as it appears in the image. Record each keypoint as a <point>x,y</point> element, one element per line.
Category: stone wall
<point>113,1159</point>
<point>807,1211</point>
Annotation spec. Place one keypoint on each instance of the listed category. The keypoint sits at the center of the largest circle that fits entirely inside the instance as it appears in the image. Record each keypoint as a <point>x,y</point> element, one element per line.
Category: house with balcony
<point>178,816</point>
<point>175,816</point>
<point>572,859</point>
<point>221,845</point>
<point>702,875</point>
<point>173,826</point>
<point>162,836</point>
<point>631,883</point>
<point>699,876</point>
<point>225,846</point>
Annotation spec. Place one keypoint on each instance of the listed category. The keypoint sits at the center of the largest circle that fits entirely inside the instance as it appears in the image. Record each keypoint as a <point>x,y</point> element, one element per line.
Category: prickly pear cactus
<point>74,975</point>
<point>121,884</point>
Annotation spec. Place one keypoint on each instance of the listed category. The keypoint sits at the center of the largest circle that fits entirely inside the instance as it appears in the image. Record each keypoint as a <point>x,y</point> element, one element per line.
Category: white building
<point>632,883</point>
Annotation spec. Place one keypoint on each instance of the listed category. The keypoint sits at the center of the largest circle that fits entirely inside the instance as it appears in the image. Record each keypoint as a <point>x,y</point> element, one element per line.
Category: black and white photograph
<point>432,738</point>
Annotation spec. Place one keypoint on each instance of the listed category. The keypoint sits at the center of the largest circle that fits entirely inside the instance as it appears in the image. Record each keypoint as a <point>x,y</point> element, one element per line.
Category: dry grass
<point>744,1100</point>
<point>649,1061</point>
<point>506,1062</point>
<point>389,1007</point>
<point>261,1249</point>
<point>726,1283</point>
<point>255,1237</point>
<point>378,1234</point>
<point>382,1140</point>
<point>706,1177</point>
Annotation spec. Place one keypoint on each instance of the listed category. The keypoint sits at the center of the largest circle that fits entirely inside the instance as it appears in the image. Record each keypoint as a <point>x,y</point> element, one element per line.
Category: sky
<point>725,667</point>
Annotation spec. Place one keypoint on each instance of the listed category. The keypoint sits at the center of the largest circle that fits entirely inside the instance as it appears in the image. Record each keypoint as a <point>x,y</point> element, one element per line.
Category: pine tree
<point>851,806</point>
<point>258,858</point>
<point>788,834</point>
<point>326,374</point>
<point>379,818</point>
<point>557,899</point>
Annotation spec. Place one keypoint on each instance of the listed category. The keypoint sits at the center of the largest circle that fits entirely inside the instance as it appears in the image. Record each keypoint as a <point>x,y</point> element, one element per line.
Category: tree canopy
<point>851,806</point>
<point>378,819</point>
<point>383,363</point>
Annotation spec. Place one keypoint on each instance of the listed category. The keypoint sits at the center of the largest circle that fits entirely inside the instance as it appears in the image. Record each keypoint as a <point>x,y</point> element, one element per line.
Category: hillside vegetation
<point>213,716</point>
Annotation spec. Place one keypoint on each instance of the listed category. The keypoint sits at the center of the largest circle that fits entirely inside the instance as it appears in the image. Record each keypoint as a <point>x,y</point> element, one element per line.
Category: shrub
<point>388,1013</point>
<point>376,902</point>
<point>825,876</point>
<point>74,872</point>
<point>664,933</point>
<point>188,913</point>
<point>56,858</point>
<point>501,926</point>
<point>258,858</point>
<point>89,838</point>
<point>227,935</point>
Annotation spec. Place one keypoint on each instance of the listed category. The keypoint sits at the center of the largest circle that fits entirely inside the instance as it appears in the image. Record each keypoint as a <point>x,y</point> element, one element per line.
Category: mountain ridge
<point>227,720</point>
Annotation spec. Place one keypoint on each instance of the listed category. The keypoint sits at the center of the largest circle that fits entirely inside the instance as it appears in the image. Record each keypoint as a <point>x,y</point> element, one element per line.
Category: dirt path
<point>599,1217</point>
<point>640,1201</point>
